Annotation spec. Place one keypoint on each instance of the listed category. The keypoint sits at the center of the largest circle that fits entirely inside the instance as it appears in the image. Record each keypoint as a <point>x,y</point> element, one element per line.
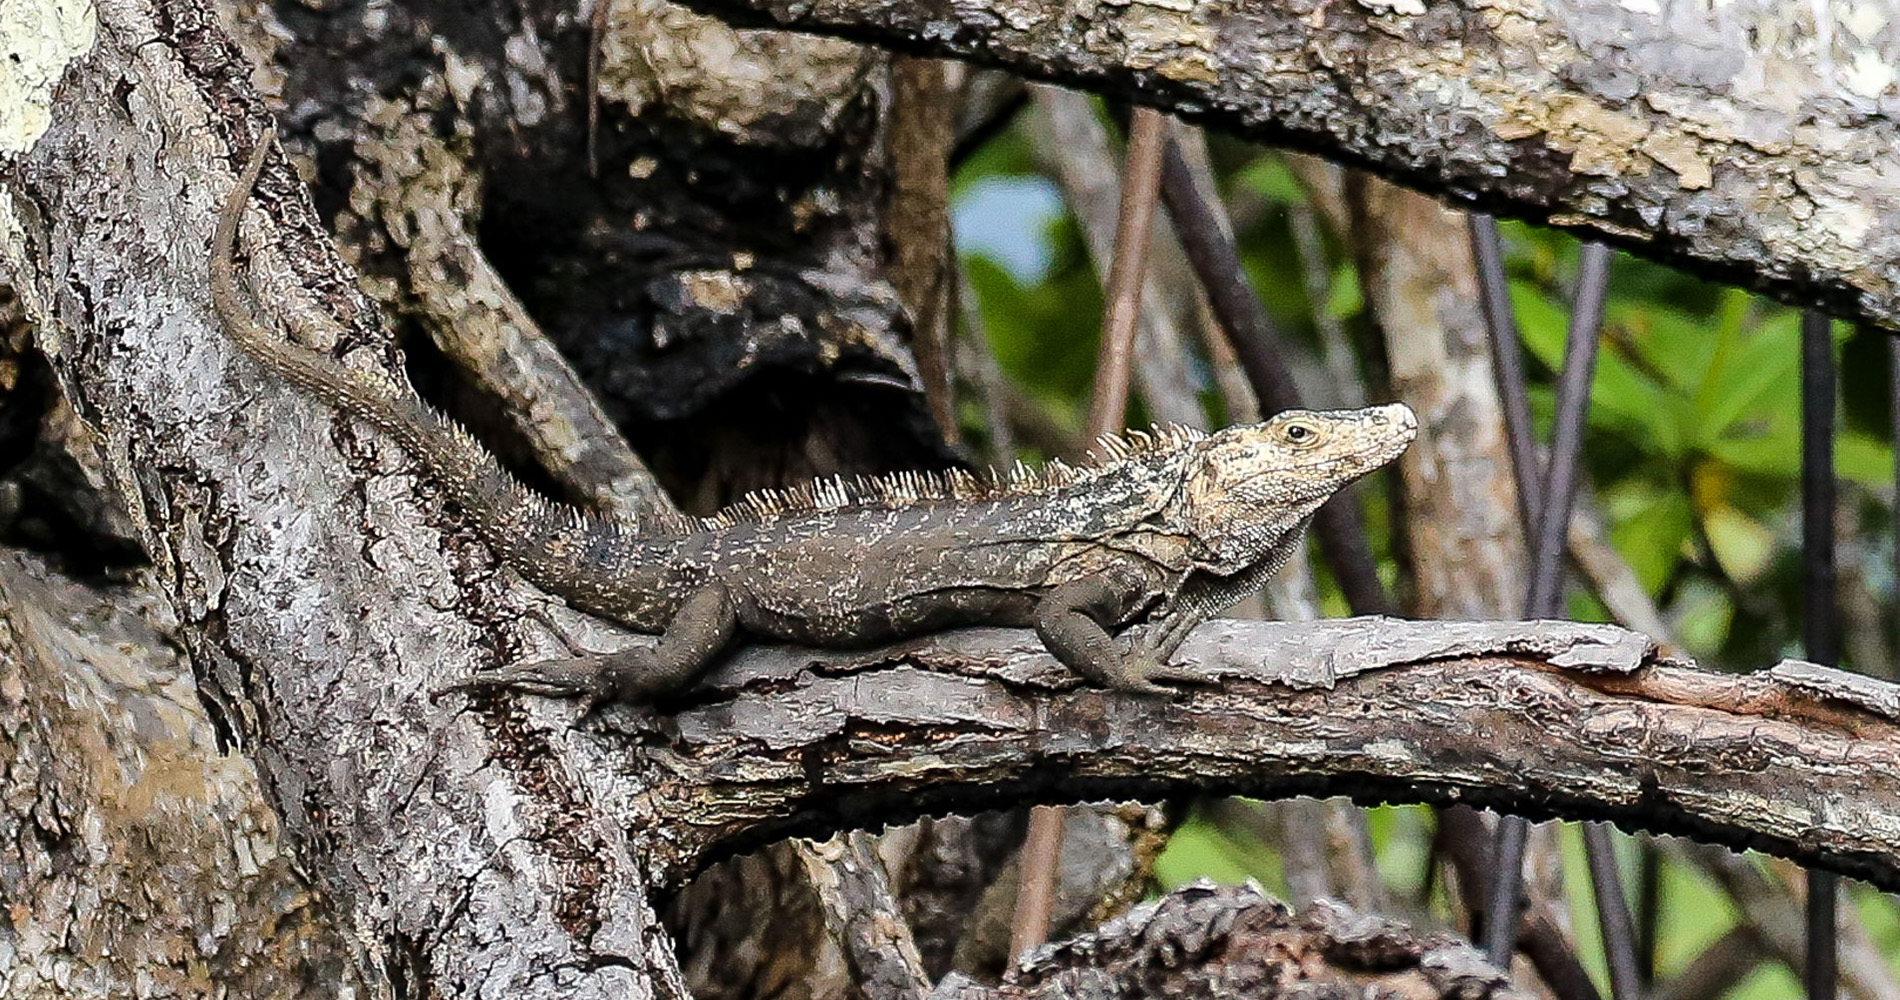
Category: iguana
<point>1165,527</point>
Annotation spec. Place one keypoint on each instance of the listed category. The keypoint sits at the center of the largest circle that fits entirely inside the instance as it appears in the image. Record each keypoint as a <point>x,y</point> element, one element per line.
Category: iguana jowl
<point>1165,527</point>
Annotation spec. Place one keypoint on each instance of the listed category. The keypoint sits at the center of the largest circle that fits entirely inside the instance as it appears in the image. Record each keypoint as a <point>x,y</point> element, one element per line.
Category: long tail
<point>547,543</point>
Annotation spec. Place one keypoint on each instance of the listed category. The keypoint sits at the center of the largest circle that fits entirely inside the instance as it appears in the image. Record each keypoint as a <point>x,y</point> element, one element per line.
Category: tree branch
<point>1202,941</point>
<point>1539,718</point>
<point>1705,139</point>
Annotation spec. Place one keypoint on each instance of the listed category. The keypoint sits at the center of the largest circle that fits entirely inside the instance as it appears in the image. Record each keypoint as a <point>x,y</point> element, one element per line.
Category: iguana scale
<point>1165,527</point>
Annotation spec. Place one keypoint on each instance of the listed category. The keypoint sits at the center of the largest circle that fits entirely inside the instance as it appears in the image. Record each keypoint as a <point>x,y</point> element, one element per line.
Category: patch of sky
<point>1006,219</point>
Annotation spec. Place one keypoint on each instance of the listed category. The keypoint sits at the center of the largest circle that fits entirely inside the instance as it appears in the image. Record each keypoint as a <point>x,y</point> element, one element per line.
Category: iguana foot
<point>595,680</point>
<point>570,678</point>
<point>1142,672</point>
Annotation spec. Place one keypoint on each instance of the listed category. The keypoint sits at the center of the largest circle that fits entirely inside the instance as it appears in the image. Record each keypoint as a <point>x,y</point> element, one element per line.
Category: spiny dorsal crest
<point>904,489</point>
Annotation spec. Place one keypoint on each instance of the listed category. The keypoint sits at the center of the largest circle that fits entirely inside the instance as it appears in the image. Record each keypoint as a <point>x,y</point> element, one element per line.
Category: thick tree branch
<point>1740,141</point>
<point>863,916</point>
<point>1538,718</point>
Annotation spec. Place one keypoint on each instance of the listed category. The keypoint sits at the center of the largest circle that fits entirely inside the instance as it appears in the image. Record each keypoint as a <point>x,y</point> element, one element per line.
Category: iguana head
<point>1246,488</point>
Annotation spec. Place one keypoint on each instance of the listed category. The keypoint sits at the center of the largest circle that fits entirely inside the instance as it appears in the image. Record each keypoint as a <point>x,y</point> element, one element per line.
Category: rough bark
<point>1540,718</point>
<point>1748,141</point>
<point>1462,539</point>
<point>136,859</point>
<point>1202,941</point>
<point>695,215</point>
<point>863,915</point>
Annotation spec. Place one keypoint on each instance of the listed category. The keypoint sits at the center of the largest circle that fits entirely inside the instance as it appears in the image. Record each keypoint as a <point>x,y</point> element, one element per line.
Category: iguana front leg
<point>703,626</point>
<point>1072,620</point>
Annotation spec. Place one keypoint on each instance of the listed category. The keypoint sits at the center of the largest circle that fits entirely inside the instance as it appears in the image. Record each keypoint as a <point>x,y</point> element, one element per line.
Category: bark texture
<point>1201,941</point>
<point>1539,718</point>
<point>136,858</point>
<point>1753,141</point>
<point>695,215</point>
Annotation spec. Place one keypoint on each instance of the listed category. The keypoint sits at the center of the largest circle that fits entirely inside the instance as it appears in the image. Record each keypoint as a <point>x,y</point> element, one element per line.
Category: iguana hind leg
<point>1069,622</point>
<point>703,626</point>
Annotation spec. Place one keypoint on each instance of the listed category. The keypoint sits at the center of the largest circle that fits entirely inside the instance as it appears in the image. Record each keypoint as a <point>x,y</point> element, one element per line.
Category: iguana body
<point>1166,527</point>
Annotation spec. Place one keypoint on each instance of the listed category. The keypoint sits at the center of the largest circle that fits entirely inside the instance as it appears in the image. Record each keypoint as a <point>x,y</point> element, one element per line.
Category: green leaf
<point>1770,446</point>
<point>1649,527</point>
<point>1344,300</point>
<point>1269,177</point>
<point>1759,370</point>
<point>1674,346</point>
<point>1619,394</point>
<point>1864,459</point>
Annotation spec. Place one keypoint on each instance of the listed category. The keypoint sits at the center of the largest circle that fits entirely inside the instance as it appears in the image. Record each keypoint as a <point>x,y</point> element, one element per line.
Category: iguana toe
<point>1140,674</point>
<point>570,678</point>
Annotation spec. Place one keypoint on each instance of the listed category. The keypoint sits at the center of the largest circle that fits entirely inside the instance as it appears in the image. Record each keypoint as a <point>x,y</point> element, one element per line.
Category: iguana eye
<point>1300,434</point>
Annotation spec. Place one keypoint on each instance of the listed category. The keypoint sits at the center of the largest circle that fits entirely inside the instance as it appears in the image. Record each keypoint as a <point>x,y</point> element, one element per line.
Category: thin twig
<point>596,37</point>
<point>1544,503</point>
<point>1648,908</point>
<point>1107,412</point>
<point>1140,178</point>
<point>1507,364</point>
<point>1819,614</point>
<point>1555,496</point>
<point>1035,893</point>
<point>1208,239</point>
<point>1468,844</point>
<point>1613,912</point>
<point>1209,243</point>
<point>1073,141</point>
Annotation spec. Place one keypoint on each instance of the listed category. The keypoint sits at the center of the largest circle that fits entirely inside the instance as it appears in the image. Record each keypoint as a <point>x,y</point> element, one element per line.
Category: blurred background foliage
<point>1692,453</point>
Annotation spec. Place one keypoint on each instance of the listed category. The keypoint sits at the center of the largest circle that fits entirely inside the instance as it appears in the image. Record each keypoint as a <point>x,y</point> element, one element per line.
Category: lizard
<point>1162,528</point>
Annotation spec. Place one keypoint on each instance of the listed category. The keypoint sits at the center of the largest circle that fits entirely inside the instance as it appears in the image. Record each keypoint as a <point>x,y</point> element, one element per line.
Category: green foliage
<point>1692,454</point>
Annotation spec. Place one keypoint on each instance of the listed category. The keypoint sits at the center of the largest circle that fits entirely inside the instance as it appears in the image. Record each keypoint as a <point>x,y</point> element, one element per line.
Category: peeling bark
<point>1747,141</point>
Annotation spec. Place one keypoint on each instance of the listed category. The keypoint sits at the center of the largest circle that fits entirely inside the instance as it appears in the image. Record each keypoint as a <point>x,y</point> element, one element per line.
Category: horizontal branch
<point>1743,141</point>
<point>1540,718</point>
<point>1200,941</point>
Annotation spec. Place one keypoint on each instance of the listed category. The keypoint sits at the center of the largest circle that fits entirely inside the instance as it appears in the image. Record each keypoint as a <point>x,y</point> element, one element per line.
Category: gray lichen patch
<point>42,38</point>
